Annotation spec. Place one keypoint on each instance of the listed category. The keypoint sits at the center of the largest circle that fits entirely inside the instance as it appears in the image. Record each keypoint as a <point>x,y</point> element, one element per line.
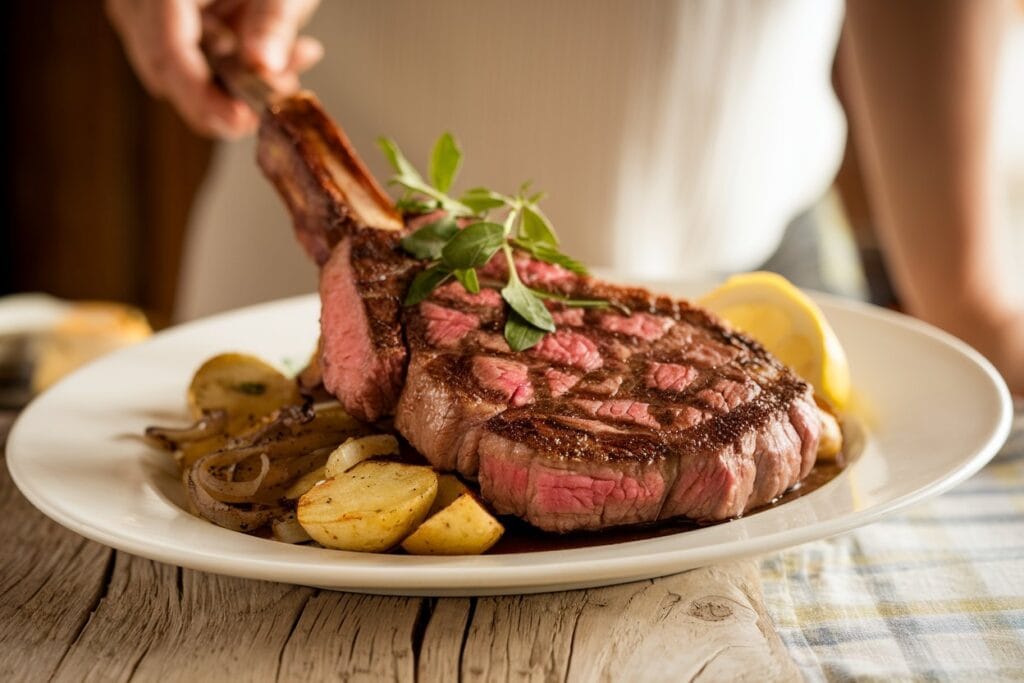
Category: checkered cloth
<point>932,594</point>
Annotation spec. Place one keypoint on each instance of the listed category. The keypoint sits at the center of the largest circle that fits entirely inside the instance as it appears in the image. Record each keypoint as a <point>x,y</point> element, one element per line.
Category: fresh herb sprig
<point>457,253</point>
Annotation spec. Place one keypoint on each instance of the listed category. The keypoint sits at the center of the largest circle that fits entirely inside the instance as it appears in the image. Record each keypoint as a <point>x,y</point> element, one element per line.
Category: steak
<point>348,225</point>
<point>648,409</point>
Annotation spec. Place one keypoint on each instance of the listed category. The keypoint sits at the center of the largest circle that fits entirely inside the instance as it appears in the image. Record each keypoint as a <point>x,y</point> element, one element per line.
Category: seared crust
<point>647,409</point>
<point>328,189</point>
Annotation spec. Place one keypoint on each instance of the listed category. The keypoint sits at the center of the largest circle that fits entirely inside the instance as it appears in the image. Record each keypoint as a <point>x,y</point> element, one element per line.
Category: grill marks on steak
<point>612,420</point>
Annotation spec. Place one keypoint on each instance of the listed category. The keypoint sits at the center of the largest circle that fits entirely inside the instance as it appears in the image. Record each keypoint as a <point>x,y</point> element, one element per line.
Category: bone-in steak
<point>649,409</point>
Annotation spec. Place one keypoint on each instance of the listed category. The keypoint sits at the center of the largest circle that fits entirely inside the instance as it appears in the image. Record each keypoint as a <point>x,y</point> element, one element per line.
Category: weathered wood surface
<point>73,610</point>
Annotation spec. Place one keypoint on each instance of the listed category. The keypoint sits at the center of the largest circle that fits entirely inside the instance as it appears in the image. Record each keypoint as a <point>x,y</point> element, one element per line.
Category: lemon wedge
<point>771,310</point>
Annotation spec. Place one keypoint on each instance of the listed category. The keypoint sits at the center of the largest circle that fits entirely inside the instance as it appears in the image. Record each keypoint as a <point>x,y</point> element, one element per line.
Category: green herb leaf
<point>570,302</point>
<point>443,201</point>
<point>398,161</point>
<point>520,334</point>
<point>536,228</point>
<point>408,177</point>
<point>527,304</point>
<point>444,162</point>
<point>461,252</point>
<point>549,254</point>
<point>469,280</point>
<point>428,241</point>
<point>426,282</point>
<point>473,246</point>
<point>481,200</point>
<point>411,205</point>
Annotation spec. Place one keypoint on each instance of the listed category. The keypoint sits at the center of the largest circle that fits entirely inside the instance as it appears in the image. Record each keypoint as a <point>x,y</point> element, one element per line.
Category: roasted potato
<point>357,449</point>
<point>449,487</point>
<point>831,441</point>
<point>370,508</point>
<point>462,528</point>
<point>245,386</point>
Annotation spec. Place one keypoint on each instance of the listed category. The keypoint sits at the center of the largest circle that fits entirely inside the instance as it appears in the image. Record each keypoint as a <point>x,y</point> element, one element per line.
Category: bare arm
<point>920,76</point>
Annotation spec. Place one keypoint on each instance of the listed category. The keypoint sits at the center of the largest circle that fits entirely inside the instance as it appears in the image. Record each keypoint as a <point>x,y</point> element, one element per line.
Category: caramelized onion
<point>242,486</point>
<point>237,518</point>
<point>226,490</point>
<point>212,423</point>
<point>282,418</point>
<point>288,530</point>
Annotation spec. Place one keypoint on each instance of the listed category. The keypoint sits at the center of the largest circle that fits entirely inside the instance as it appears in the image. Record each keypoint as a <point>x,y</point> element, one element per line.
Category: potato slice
<point>245,386</point>
<point>449,487</point>
<point>357,449</point>
<point>831,441</point>
<point>370,508</point>
<point>462,528</point>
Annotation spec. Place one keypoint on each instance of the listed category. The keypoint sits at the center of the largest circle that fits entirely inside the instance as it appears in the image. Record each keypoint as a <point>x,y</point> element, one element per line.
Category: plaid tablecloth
<point>933,594</point>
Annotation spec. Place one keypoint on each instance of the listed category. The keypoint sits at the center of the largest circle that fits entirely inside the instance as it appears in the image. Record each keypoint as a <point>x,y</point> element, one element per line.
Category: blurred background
<point>100,177</point>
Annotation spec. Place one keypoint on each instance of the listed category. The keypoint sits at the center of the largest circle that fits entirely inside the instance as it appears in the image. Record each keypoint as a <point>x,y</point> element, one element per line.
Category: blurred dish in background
<point>42,339</point>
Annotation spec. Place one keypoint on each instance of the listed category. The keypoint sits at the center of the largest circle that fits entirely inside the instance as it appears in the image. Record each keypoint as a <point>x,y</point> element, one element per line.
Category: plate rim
<point>434,577</point>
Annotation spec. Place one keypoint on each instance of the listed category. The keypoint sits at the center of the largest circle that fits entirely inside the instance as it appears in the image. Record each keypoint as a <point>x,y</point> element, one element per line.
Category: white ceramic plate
<point>931,412</point>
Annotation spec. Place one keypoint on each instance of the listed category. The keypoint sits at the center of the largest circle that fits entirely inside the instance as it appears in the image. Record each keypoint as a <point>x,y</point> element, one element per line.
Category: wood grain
<point>710,625</point>
<point>50,581</point>
<point>72,610</point>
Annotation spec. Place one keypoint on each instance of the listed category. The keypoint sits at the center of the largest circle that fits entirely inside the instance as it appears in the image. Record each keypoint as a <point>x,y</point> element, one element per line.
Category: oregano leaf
<point>481,200</point>
<point>398,161</point>
<point>528,305</point>
<point>549,254</point>
<point>473,246</point>
<point>468,279</point>
<point>428,241</point>
<point>536,228</point>
<point>425,282</point>
<point>444,162</point>
<point>520,334</point>
<point>570,302</point>
<point>412,205</point>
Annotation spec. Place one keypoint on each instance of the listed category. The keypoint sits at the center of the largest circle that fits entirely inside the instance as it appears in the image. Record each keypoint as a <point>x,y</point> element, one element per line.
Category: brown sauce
<point>520,537</point>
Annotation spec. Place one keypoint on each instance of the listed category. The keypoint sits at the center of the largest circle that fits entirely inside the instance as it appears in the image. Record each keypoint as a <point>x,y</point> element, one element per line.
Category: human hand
<point>161,39</point>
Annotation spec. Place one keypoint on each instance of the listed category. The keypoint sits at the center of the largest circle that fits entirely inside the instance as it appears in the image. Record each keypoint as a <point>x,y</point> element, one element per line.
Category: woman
<point>673,138</point>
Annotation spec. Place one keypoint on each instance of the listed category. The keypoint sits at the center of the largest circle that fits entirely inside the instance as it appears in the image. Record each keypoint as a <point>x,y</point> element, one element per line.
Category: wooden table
<point>74,610</point>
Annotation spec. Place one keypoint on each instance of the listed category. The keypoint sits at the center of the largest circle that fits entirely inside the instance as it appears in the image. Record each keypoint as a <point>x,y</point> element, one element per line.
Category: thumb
<point>268,29</point>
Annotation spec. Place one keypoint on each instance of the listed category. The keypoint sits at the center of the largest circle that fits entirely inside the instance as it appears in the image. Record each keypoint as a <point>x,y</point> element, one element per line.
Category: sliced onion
<point>284,472</point>
<point>232,517</point>
<point>357,449</point>
<point>212,423</point>
<point>288,530</point>
<point>225,490</point>
<point>282,419</point>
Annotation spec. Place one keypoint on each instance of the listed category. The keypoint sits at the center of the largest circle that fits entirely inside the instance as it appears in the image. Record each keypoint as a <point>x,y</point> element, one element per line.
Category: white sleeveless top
<point>674,138</point>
